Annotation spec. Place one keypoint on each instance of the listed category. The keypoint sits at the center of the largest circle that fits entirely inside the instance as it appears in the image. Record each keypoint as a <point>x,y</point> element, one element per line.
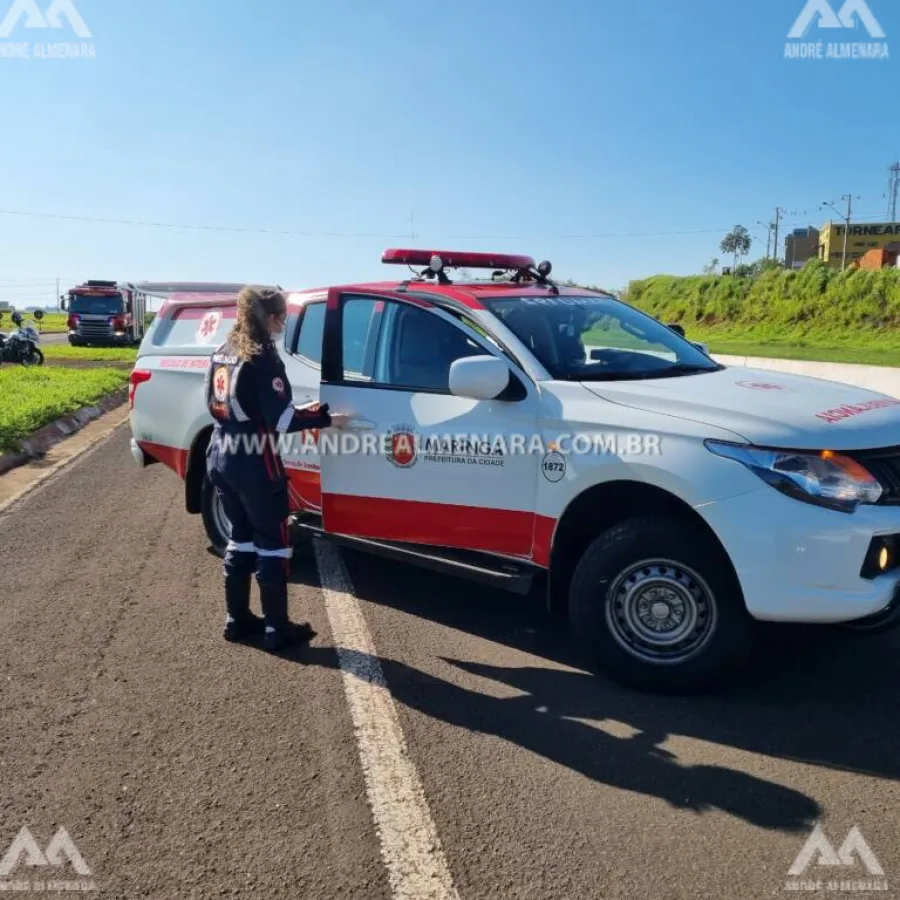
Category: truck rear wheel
<point>218,528</point>
<point>659,607</point>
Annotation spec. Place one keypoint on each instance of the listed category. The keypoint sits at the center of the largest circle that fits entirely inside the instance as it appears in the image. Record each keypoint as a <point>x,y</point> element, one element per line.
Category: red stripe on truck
<point>306,487</point>
<point>509,532</point>
<point>173,457</point>
<point>442,524</point>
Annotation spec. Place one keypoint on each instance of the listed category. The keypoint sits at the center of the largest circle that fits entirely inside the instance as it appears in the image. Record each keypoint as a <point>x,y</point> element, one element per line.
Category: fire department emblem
<point>278,384</point>
<point>208,327</point>
<point>402,446</point>
<point>220,384</point>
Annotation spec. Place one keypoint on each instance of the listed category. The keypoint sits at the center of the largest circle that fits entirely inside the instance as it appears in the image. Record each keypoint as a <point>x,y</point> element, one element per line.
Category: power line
<point>342,234</point>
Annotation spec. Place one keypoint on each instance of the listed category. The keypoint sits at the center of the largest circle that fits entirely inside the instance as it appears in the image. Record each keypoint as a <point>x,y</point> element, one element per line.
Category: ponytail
<point>250,335</point>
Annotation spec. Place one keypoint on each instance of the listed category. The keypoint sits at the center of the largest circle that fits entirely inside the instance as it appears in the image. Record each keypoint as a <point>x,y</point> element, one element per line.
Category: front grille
<point>884,464</point>
<point>94,330</point>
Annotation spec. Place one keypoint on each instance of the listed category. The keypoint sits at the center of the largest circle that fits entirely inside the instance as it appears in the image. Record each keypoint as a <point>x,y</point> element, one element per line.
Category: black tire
<point>213,517</point>
<point>881,623</point>
<point>692,578</point>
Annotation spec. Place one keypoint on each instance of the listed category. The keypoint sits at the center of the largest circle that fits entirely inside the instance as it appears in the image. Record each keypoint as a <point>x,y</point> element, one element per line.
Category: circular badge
<point>278,384</point>
<point>220,384</point>
<point>553,466</point>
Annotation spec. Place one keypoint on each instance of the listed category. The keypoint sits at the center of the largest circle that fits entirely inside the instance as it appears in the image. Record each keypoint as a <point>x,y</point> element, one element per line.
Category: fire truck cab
<point>105,313</point>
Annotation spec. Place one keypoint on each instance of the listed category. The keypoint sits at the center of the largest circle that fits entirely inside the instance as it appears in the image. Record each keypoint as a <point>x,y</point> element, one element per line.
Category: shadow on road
<point>813,695</point>
<point>633,764</point>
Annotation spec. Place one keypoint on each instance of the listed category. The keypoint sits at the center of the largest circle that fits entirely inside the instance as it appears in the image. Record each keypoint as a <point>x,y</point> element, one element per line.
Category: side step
<point>509,575</point>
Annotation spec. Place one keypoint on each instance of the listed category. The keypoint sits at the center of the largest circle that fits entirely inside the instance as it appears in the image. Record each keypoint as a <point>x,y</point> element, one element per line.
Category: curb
<point>37,444</point>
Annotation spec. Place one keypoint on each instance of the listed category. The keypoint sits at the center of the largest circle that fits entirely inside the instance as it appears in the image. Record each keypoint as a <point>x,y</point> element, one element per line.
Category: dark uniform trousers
<point>252,404</point>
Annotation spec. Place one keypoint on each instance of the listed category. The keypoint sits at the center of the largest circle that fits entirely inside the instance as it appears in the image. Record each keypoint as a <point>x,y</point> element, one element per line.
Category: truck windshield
<point>597,338</point>
<point>87,305</point>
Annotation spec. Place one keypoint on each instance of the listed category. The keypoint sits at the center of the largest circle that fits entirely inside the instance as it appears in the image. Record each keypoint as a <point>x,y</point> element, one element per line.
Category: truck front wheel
<point>659,607</point>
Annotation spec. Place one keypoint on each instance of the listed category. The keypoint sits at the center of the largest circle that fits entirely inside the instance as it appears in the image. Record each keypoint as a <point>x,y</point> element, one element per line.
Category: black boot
<point>280,631</point>
<point>241,623</point>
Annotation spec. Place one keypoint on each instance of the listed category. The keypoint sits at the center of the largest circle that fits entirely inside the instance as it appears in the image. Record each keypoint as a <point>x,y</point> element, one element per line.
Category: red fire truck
<point>105,313</point>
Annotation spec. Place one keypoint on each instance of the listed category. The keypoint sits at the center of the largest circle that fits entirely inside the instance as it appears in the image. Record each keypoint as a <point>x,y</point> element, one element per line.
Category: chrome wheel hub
<point>661,611</point>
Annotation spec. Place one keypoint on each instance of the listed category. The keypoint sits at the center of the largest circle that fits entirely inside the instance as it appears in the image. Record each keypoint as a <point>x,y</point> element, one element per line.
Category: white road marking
<point>410,846</point>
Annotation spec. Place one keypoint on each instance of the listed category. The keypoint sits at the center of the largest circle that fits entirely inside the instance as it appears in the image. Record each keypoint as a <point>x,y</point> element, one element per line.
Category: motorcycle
<point>21,346</point>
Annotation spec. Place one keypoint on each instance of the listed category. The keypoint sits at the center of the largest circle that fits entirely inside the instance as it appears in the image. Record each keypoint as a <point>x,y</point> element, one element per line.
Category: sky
<point>616,138</point>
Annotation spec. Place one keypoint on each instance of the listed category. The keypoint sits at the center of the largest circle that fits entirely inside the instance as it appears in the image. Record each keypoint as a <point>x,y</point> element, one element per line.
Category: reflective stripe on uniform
<point>284,552</point>
<point>241,548</point>
<point>239,413</point>
<point>285,419</point>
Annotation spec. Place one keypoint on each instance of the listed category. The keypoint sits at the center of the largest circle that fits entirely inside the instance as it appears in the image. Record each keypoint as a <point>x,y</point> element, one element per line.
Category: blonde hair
<point>250,335</point>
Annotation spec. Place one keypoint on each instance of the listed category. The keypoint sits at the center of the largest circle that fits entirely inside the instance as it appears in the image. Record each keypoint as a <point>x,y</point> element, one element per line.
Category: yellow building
<point>861,238</point>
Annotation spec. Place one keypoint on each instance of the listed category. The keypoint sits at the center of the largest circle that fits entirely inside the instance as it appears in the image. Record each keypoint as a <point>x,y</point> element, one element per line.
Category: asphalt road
<point>437,739</point>
<point>55,338</point>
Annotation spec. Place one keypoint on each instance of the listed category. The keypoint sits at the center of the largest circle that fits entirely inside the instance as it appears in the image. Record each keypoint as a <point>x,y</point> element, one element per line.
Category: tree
<point>712,268</point>
<point>737,242</point>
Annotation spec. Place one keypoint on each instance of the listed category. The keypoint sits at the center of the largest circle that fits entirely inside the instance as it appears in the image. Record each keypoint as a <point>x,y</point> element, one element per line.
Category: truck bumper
<point>802,563</point>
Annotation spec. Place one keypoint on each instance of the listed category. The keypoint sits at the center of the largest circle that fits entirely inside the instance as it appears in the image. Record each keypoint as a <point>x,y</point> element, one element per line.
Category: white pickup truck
<point>525,434</point>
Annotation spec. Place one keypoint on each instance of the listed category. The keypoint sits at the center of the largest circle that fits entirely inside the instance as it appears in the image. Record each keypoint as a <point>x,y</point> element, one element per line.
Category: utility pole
<point>778,214</point>
<point>57,295</point>
<point>849,198</point>
<point>894,192</point>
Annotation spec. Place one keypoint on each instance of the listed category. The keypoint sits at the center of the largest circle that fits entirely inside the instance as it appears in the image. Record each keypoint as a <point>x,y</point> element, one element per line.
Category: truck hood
<point>772,409</point>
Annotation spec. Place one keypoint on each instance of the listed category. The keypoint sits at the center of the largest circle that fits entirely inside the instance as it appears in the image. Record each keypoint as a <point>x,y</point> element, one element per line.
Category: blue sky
<point>558,130</point>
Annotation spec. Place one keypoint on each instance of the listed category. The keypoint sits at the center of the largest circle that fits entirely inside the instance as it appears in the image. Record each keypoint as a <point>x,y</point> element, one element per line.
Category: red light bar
<point>457,259</point>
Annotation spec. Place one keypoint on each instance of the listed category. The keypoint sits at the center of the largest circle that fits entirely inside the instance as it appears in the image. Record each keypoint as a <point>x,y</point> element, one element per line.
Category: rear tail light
<point>138,376</point>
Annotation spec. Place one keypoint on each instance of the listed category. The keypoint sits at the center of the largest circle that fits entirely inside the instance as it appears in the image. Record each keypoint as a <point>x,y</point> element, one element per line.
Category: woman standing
<point>249,396</point>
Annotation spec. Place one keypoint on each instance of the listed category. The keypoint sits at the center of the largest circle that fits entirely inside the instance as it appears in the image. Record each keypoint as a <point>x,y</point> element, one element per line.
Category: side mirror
<point>479,377</point>
<point>63,303</point>
<point>674,326</point>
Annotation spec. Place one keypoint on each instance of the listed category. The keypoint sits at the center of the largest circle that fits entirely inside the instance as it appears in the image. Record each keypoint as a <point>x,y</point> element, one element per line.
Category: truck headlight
<point>821,477</point>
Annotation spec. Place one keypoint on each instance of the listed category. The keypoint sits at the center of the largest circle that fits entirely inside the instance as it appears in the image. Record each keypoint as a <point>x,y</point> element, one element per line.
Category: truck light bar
<point>456,259</point>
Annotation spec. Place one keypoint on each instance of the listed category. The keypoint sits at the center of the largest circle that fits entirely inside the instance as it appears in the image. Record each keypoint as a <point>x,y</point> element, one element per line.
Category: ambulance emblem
<point>208,327</point>
<point>220,383</point>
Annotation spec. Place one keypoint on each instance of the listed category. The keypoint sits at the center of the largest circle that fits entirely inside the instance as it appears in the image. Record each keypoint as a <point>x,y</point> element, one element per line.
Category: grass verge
<point>89,354</point>
<point>870,350</point>
<point>52,323</point>
<point>34,397</point>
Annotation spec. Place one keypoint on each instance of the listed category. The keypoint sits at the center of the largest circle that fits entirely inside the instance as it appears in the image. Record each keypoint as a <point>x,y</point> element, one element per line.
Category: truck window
<point>417,349</point>
<point>312,326</point>
<point>358,334</point>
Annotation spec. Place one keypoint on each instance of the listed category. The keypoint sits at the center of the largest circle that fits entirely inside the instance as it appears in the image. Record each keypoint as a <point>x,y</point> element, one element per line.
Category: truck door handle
<point>358,423</point>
